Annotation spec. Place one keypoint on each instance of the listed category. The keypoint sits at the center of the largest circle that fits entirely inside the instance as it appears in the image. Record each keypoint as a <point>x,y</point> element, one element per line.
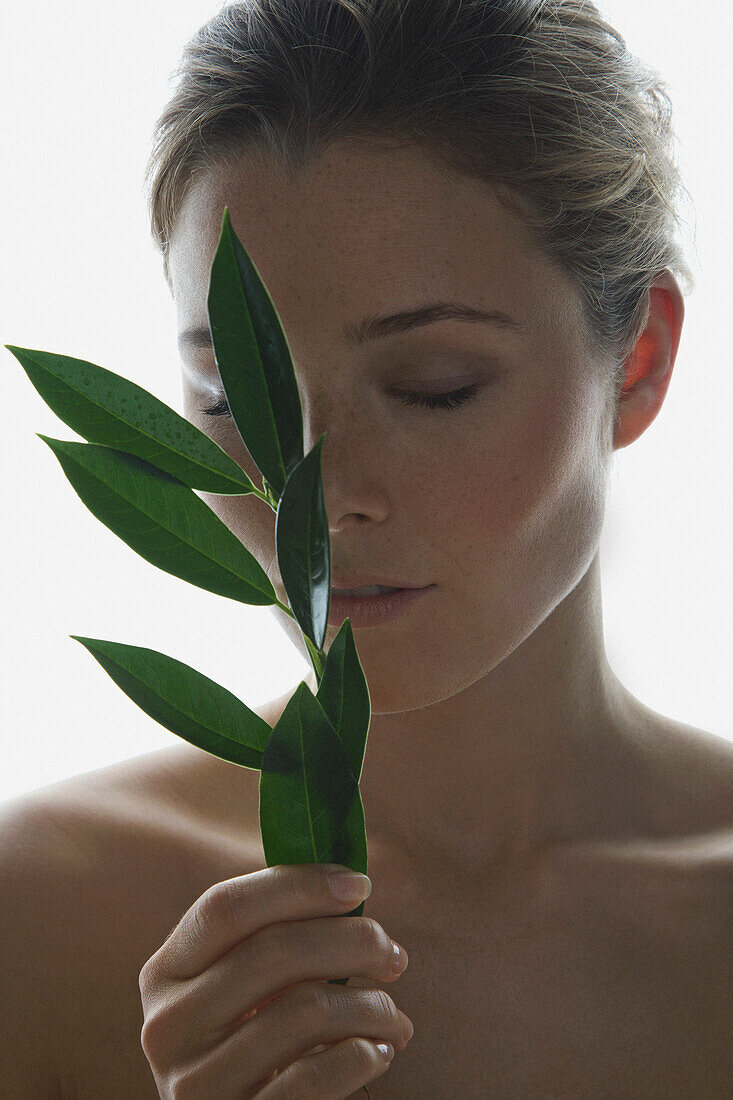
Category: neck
<point>535,753</point>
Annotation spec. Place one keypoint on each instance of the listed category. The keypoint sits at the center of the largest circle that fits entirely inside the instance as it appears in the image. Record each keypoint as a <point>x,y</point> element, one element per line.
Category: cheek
<point>560,517</point>
<point>527,498</point>
<point>253,523</point>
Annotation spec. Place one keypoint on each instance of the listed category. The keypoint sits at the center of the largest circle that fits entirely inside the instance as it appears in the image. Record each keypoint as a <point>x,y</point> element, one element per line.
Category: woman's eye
<point>449,400</point>
<point>221,408</point>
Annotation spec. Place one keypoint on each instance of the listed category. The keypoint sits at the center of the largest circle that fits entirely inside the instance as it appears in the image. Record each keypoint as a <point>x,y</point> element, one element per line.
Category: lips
<point>363,611</point>
<point>354,580</point>
<point>366,590</point>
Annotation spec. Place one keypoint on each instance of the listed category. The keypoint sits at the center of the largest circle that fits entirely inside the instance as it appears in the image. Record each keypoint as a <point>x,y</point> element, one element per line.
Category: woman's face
<point>497,503</point>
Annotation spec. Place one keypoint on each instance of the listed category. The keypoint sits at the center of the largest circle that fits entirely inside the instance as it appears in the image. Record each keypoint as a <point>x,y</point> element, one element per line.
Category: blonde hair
<point>540,99</point>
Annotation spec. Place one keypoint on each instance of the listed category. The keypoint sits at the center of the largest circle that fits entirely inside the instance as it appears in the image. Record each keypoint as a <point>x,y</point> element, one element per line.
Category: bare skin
<point>596,969</point>
<point>555,857</point>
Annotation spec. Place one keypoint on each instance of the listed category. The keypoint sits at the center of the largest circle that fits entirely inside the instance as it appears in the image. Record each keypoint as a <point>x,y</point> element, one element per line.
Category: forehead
<point>366,227</point>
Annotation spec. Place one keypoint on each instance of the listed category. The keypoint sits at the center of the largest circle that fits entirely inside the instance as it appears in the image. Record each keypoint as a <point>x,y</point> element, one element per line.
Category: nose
<point>354,462</point>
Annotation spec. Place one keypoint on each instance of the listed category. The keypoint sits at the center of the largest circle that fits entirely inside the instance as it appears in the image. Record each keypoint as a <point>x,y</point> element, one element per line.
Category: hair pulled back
<point>540,99</point>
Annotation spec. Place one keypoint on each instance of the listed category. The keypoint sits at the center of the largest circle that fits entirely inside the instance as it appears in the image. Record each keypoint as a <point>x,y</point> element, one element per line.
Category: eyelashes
<point>438,400</point>
<point>451,400</point>
<point>219,409</point>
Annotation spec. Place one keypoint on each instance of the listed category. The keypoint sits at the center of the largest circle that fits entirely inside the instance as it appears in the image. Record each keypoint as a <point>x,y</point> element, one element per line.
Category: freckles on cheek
<point>500,487</point>
<point>493,491</point>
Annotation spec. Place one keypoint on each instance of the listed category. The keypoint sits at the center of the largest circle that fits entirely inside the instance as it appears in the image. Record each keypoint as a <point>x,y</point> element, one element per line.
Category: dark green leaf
<point>310,804</point>
<point>344,695</point>
<point>105,408</point>
<point>303,546</point>
<point>254,361</point>
<point>163,521</point>
<point>185,701</point>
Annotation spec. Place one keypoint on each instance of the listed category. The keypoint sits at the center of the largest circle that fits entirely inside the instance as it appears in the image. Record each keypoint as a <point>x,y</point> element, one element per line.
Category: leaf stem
<point>268,495</point>
<point>262,496</point>
<point>317,657</point>
<point>284,608</point>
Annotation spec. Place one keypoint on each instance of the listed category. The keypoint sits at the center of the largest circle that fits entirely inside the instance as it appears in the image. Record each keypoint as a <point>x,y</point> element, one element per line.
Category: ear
<point>650,364</point>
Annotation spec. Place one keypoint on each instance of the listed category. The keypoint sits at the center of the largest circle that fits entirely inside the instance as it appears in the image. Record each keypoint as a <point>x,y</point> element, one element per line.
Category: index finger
<point>231,910</point>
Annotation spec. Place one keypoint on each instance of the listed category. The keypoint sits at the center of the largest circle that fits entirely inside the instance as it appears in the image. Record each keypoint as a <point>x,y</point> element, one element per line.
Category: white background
<point>81,88</point>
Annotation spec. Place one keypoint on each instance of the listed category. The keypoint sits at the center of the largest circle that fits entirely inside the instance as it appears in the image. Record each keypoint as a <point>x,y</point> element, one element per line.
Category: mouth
<point>365,584</point>
<point>374,608</point>
<point>365,590</point>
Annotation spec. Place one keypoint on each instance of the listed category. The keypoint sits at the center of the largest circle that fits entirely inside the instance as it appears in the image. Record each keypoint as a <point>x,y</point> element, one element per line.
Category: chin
<point>394,691</point>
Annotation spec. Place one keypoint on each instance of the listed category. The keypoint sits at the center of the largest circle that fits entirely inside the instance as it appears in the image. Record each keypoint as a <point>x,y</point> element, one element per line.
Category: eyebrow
<point>376,327</point>
<point>394,324</point>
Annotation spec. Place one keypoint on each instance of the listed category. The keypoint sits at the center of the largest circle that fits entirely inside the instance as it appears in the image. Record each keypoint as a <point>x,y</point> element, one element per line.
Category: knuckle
<point>279,875</point>
<point>375,942</point>
<point>310,1078</point>
<point>363,1052</point>
<point>311,1001</point>
<point>383,1006</point>
<point>217,906</point>
<point>184,1084</point>
<point>151,978</point>
<point>197,930</point>
<point>371,936</point>
<point>145,1039</point>
<point>155,1029</point>
<point>322,1075</point>
<point>146,977</point>
<point>316,1076</point>
<point>290,879</point>
<point>162,1024</point>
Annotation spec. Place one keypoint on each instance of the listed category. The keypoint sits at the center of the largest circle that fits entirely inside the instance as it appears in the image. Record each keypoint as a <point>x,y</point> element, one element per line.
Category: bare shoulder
<point>683,849</point>
<point>95,871</point>
<point>653,910</point>
<point>697,777</point>
<point>30,892</point>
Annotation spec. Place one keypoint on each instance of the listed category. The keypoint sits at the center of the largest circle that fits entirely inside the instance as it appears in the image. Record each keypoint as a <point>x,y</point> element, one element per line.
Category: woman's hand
<point>237,996</point>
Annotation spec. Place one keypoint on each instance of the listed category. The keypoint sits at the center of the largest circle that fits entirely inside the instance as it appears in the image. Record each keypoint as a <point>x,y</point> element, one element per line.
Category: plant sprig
<point>137,473</point>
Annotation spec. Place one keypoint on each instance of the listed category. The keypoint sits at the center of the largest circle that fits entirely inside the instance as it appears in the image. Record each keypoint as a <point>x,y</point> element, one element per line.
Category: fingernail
<point>400,958</point>
<point>349,886</point>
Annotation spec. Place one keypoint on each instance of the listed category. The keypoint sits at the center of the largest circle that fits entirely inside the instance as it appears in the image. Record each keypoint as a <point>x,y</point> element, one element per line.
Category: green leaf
<point>310,804</point>
<point>254,361</point>
<point>303,546</point>
<point>344,695</point>
<point>185,701</point>
<point>105,408</point>
<point>163,521</point>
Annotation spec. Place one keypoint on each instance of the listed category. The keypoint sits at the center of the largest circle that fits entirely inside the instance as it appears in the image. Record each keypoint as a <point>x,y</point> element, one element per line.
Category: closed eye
<point>450,400</point>
<point>221,408</point>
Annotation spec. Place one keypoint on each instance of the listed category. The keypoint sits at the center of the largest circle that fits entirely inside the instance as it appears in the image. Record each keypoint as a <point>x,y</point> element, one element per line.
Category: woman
<point>465,216</point>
